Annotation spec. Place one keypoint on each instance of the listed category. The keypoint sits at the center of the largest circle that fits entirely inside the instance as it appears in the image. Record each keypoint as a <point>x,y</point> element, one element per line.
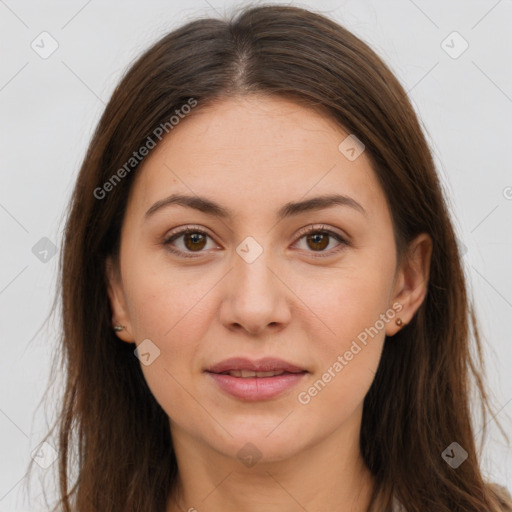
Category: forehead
<point>253,152</point>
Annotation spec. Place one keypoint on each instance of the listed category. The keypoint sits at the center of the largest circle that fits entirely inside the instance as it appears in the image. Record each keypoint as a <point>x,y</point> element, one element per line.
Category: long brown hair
<point>112,432</point>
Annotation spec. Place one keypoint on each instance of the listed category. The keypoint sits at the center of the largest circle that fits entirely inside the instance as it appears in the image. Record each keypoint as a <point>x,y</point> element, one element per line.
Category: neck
<point>329,475</point>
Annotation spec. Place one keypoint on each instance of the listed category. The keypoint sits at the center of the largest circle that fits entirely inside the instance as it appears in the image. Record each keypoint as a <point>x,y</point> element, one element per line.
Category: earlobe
<point>412,282</point>
<point>120,318</point>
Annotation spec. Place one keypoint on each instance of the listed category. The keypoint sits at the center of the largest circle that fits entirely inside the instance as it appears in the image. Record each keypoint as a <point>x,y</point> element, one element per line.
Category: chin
<point>259,443</point>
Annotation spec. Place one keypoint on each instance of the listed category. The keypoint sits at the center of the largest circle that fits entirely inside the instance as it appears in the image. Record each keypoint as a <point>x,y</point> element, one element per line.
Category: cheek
<point>353,306</point>
<point>348,300</point>
<point>168,309</point>
<point>161,297</point>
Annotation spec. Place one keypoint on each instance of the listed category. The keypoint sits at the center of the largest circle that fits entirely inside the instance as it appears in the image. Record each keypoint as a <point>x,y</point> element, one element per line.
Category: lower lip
<point>256,388</point>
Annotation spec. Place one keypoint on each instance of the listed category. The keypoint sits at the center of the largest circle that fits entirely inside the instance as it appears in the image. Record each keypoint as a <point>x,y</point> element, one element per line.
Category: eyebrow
<point>290,209</point>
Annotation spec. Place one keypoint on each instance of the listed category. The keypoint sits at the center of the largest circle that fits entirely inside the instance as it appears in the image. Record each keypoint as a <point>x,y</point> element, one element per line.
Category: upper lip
<point>267,364</point>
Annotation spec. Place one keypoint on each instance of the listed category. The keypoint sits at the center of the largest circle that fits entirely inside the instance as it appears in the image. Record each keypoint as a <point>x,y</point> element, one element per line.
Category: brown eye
<point>194,241</point>
<point>187,241</point>
<point>318,241</point>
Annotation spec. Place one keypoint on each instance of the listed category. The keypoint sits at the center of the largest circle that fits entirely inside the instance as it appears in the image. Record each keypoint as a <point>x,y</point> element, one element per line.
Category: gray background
<point>51,105</point>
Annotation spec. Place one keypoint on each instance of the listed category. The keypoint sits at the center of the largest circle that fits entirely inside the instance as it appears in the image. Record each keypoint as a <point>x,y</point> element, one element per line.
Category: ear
<point>117,300</point>
<point>411,283</point>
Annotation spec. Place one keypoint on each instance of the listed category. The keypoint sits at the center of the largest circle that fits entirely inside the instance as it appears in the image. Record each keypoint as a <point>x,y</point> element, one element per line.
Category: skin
<point>252,155</point>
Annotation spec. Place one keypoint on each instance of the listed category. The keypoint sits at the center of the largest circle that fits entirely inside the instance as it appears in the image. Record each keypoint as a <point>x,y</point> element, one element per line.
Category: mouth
<point>245,374</point>
<point>250,380</point>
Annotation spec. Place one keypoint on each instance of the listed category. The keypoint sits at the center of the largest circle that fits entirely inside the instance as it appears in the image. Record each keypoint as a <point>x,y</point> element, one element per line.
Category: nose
<point>256,298</point>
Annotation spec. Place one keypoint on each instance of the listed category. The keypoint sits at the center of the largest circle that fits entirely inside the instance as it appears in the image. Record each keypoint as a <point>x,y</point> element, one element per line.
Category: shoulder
<point>503,496</point>
<point>397,506</point>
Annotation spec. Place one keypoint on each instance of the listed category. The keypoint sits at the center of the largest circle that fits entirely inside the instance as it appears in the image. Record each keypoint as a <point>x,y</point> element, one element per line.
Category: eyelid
<point>180,230</point>
<point>320,228</point>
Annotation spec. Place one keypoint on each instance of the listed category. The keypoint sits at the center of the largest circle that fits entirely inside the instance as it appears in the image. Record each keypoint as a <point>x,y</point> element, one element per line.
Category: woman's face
<point>249,280</point>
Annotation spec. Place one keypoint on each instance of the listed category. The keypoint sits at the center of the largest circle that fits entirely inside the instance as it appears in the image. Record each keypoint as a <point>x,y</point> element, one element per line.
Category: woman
<point>263,302</point>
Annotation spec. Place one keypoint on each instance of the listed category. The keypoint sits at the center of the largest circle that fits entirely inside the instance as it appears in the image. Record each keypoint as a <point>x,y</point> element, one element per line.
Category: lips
<point>243,367</point>
<point>253,381</point>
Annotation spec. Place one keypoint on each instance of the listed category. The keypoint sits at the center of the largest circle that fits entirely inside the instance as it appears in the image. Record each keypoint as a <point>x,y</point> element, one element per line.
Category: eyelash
<point>303,232</point>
